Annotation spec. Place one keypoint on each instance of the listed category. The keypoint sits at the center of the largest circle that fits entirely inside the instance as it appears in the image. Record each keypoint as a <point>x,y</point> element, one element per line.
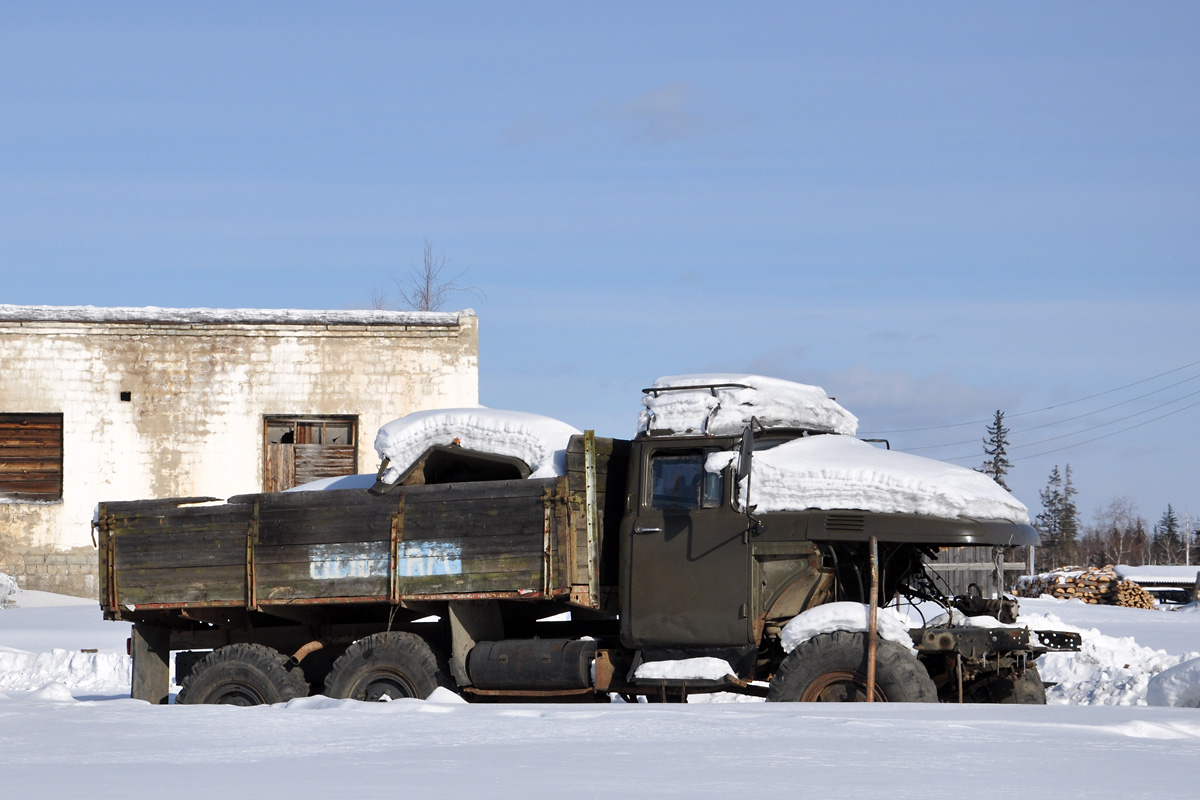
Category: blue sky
<point>933,211</point>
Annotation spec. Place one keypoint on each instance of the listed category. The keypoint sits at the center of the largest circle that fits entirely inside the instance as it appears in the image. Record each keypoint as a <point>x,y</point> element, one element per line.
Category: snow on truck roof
<point>540,442</point>
<point>723,404</point>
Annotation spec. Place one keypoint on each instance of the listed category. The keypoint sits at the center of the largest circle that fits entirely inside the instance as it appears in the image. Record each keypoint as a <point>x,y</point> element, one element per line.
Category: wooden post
<point>151,651</point>
<point>872,622</point>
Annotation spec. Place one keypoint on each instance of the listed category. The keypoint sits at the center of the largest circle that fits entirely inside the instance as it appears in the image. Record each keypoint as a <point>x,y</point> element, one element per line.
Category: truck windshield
<point>680,483</point>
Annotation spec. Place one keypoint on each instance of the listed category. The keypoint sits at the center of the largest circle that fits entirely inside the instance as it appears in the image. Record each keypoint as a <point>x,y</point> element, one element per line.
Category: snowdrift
<point>541,442</point>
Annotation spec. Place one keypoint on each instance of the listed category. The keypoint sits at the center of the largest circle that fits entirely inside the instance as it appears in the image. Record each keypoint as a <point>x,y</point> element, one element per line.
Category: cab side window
<point>678,482</point>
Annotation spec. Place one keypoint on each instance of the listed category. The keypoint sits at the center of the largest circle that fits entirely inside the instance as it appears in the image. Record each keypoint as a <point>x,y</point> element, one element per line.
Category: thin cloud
<point>666,114</point>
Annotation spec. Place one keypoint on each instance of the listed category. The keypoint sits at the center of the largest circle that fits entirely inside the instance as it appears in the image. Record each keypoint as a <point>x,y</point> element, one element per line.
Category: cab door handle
<point>639,530</point>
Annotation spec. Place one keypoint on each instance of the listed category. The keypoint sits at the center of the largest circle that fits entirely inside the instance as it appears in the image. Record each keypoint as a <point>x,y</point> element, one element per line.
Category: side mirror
<point>744,472</point>
<point>745,454</point>
<point>745,459</point>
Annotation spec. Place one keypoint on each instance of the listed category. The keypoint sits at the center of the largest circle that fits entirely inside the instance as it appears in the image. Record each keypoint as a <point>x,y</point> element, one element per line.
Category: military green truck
<point>458,570</point>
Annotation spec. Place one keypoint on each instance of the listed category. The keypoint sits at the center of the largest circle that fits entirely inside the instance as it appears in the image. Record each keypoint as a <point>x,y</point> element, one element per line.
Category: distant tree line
<point>1117,534</point>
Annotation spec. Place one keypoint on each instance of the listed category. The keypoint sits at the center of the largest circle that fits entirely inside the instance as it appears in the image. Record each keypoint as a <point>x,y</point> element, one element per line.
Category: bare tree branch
<point>426,289</point>
<point>379,297</point>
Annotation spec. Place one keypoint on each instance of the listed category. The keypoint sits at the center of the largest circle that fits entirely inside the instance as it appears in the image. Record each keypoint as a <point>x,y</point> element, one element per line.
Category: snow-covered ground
<point>68,731</point>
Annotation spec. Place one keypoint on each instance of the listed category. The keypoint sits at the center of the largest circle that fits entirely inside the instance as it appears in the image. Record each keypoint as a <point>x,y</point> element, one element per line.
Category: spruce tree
<point>1049,520</point>
<point>995,447</point>
<point>1167,544</point>
<point>1068,514</point>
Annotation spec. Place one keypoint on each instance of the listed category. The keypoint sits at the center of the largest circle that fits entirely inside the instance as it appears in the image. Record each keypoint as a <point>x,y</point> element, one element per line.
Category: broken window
<point>31,460</point>
<point>303,449</point>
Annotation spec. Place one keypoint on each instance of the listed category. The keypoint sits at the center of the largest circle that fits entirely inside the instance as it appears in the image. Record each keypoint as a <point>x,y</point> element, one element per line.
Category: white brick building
<point>128,403</point>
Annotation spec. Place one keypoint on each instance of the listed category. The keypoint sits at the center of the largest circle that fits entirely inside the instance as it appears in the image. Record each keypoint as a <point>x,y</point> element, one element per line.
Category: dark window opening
<point>126,397</point>
<point>31,457</point>
<point>300,450</point>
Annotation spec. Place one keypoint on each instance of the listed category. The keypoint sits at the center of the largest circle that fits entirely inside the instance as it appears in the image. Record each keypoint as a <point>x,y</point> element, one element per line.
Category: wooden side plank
<point>309,546</point>
<point>224,584</point>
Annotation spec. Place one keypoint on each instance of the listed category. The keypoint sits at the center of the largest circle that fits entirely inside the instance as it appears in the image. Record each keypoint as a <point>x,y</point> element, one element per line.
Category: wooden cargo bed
<point>521,539</point>
<point>454,541</point>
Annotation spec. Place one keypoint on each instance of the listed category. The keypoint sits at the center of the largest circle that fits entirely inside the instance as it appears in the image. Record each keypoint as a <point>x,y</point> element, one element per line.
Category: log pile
<point>1132,595</point>
<point>1094,585</point>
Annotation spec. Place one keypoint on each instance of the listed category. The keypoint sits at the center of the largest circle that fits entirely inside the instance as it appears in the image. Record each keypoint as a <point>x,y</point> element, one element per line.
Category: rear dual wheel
<point>387,666</point>
<point>243,675</point>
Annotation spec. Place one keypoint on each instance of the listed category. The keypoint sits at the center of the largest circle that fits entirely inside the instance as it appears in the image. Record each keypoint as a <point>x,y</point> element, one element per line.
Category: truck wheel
<point>832,668</point>
<point>1025,689</point>
<point>387,666</point>
<point>243,675</point>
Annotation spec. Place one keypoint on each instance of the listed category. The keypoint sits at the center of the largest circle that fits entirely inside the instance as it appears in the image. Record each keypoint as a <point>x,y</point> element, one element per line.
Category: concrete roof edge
<point>227,316</point>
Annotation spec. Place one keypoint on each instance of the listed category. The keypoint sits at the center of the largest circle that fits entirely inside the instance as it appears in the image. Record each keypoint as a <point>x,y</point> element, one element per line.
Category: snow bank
<point>839,472</point>
<point>53,693</point>
<point>1108,670</point>
<point>541,442</point>
<point>844,617</point>
<point>708,669</point>
<point>78,671</point>
<point>8,588</point>
<point>724,411</point>
<point>1178,686</point>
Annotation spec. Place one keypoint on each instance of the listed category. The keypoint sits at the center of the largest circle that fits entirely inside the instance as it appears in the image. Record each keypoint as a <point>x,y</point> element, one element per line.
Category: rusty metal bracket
<point>251,578</point>
<point>397,535</point>
<point>110,567</point>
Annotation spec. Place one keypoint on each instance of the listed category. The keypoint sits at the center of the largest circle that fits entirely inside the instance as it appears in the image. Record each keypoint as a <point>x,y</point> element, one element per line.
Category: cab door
<point>687,560</point>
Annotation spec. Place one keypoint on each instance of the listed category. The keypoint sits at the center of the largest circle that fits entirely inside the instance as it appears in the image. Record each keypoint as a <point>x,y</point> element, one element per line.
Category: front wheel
<point>832,668</point>
<point>387,666</point>
<point>1024,689</point>
<point>243,675</point>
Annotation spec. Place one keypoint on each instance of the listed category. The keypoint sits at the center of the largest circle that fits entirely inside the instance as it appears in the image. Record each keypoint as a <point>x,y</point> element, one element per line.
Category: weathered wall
<point>201,384</point>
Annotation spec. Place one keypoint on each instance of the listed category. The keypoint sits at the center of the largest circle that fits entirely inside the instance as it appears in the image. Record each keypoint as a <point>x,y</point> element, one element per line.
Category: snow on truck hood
<point>826,471</point>
<point>832,472</point>
<point>541,442</point>
<point>670,404</point>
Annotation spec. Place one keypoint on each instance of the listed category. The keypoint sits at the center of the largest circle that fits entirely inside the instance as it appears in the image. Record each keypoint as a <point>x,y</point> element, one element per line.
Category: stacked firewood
<point>1132,595</point>
<point>1095,585</point>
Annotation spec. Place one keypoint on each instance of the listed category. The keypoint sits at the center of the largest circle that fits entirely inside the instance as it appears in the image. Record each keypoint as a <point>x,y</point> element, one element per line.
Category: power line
<point>1079,416</point>
<point>1088,441</point>
<point>1111,422</point>
<point>1105,436</point>
<point>1048,408</point>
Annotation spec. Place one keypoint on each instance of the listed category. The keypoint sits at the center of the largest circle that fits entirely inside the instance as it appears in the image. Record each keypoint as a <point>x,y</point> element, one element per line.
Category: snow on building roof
<point>839,472</point>
<point>1160,576</point>
<point>226,316</point>
<point>724,403</point>
<point>541,442</point>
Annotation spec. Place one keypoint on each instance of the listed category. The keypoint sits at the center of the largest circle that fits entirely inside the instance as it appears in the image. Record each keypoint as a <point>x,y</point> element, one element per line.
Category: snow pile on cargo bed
<point>839,472</point>
<point>540,442</point>
<point>722,403</point>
